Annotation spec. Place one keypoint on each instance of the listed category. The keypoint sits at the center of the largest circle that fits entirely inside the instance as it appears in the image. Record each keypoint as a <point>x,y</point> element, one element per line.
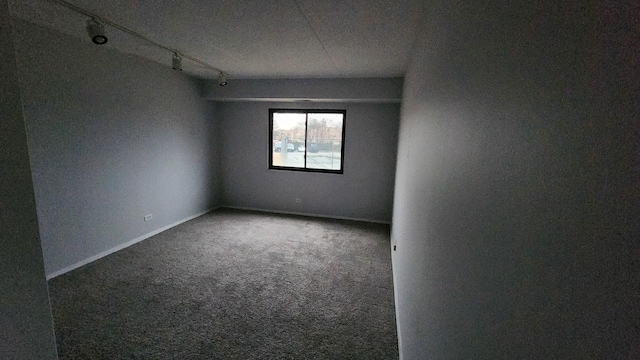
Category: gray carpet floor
<point>235,285</point>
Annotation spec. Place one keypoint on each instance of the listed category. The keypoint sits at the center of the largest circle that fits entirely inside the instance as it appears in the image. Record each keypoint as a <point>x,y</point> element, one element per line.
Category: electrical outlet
<point>148,217</point>
<point>298,200</point>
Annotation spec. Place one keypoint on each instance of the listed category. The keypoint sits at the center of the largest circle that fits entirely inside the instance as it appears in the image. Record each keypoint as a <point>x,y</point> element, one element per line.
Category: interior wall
<point>364,191</point>
<point>362,90</point>
<point>112,138</point>
<point>516,203</point>
<point>26,325</point>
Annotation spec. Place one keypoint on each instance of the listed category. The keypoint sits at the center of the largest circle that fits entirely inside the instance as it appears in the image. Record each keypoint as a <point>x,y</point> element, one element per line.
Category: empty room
<point>300,179</point>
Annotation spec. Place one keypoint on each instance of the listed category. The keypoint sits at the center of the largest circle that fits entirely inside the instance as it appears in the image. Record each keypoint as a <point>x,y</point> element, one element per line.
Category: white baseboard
<point>306,214</point>
<point>125,245</point>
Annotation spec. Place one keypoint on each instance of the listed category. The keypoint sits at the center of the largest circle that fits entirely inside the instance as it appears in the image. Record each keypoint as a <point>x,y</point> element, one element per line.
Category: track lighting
<point>222,79</point>
<point>176,62</point>
<point>96,32</point>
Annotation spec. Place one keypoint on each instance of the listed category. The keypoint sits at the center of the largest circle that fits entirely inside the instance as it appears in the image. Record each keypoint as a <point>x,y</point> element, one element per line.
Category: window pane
<point>324,140</point>
<point>288,139</point>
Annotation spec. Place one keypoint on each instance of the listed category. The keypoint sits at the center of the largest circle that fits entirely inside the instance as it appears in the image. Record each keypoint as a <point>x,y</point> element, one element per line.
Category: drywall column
<point>26,326</point>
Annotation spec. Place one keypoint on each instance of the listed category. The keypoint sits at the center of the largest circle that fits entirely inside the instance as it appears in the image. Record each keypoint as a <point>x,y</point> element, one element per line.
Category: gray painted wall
<point>326,90</point>
<point>516,190</point>
<point>26,327</point>
<point>364,191</point>
<point>112,138</point>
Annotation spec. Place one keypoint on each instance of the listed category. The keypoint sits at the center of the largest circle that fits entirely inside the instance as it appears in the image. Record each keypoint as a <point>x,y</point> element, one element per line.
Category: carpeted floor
<point>235,285</point>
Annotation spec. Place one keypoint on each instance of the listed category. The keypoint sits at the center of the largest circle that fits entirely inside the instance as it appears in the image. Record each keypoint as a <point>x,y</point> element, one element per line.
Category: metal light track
<point>133,33</point>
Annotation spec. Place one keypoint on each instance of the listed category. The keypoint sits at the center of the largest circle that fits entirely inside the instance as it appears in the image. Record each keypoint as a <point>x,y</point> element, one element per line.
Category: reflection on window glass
<point>309,140</point>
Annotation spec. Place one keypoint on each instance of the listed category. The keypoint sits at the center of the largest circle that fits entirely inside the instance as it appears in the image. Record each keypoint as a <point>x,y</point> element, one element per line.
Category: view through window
<point>307,140</point>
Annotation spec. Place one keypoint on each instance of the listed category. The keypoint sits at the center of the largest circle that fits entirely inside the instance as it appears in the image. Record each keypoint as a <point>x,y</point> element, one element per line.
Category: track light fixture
<point>176,62</point>
<point>96,32</point>
<point>95,29</point>
<point>222,79</point>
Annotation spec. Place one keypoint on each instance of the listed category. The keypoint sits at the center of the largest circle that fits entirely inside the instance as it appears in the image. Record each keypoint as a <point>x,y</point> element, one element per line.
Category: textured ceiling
<point>253,39</point>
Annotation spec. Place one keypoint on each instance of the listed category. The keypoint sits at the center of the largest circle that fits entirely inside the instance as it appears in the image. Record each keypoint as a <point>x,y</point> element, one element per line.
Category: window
<point>307,140</point>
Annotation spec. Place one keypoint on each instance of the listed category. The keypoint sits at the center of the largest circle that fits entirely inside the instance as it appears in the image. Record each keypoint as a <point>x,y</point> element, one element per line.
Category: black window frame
<point>306,112</point>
